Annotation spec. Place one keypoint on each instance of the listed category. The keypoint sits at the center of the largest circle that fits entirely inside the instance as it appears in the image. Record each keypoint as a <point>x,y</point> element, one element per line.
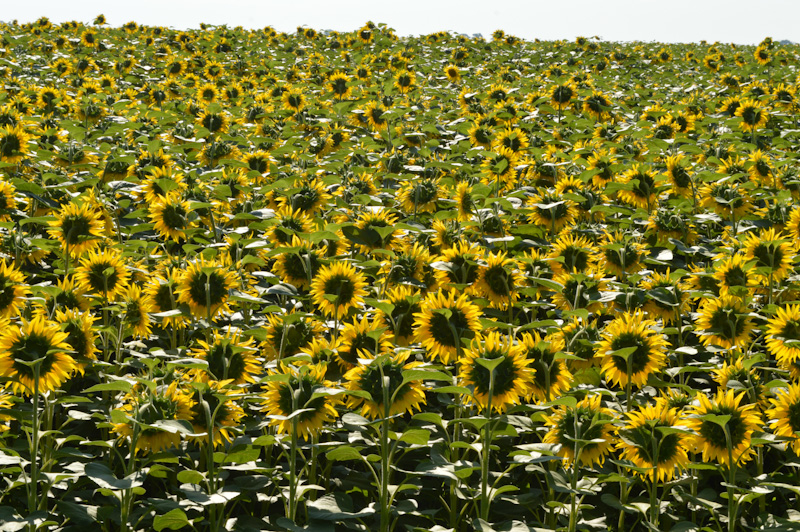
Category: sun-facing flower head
<point>443,321</point>
<point>644,349</point>
<point>648,440</point>
<point>337,288</point>
<point>586,427</point>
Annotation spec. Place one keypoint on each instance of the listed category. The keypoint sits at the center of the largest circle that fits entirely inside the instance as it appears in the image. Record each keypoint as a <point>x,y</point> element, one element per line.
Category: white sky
<point>737,21</point>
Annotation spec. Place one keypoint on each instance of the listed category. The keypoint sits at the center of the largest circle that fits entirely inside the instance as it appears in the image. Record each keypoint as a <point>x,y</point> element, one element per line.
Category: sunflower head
<point>337,288</point>
<point>205,287</point>
<point>35,347</point>
<point>583,432</point>
<point>443,322</point>
<point>382,378</point>
<point>297,389</point>
<point>632,350</point>
<point>722,427</point>
<point>646,439</point>
<point>497,372</point>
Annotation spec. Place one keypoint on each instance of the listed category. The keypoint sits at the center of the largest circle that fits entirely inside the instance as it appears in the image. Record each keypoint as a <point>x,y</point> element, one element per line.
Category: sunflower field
<point>318,281</point>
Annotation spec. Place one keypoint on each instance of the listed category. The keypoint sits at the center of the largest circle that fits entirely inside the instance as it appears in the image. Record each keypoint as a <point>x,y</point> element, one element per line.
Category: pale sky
<point>737,21</point>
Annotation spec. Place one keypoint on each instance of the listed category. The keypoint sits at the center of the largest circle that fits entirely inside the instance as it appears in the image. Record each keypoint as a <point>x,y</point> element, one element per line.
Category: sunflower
<point>507,383</point>
<point>642,192</point>
<point>572,252</point>
<point>159,182</point>
<point>783,335</point>
<point>500,166</point>
<point>784,416</point>
<point>229,358</point>
<point>309,198</point>
<point>481,135</point>
<point>499,280</point>
<point>762,55</point>
<point>405,81</point>
<point>398,316</point>
<point>381,377</point>
<point>214,121</point>
<point>374,116</point>
<point>562,94</point>
<point>665,299</point>
<point>205,287</point>
<point>21,346</point>
<point>13,291</point>
<point>648,440</point>
<point>77,227</point>
<point>289,222</point>
<point>753,115</point>
<point>299,263</point>
<point>602,163</point>
<point>337,288</point>
<point>679,177</point>
<point>465,203</point>
<point>162,296</point>
<point>620,254</point>
<point>631,332</point>
<point>146,408</point>
<point>80,334</point>
<point>712,438</point>
<point>298,389</point>
<point>550,210</point>
<point>514,139</point>
<point>137,312</point>
<point>597,105</point>
<point>586,427</point>
<point>288,334</point>
<point>170,216</point>
<point>443,321</point>
<point>103,273</point>
<point>338,85</point>
<point>219,402</point>
<point>419,195</point>
<point>772,253</point>
<point>452,73</point>
<point>551,378</point>
<point>734,275</point>
<point>461,265</point>
<point>376,230</point>
<point>580,290</point>
<point>724,321</point>
<point>14,145</point>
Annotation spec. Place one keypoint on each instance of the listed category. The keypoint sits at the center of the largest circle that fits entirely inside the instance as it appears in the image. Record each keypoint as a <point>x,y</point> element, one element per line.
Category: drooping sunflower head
<point>382,378</point>
<point>496,371</point>
<point>585,421</point>
<point>285,396</point>
<point>644,349</point>
<point>35,347</point>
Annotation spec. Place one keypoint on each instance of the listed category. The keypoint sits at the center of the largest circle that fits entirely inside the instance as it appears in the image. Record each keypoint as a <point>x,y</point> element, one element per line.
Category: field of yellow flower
<point>320,281</point>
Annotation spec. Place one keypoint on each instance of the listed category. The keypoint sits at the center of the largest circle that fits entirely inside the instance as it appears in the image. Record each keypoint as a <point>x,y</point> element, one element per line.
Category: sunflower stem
<point>485,447</point>
<point>293,459</point>
<point>33,488</point>
<point>384,493</point>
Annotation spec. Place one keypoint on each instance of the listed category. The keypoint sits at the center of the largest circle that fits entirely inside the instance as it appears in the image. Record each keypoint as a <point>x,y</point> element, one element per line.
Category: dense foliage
<point>318,281</point>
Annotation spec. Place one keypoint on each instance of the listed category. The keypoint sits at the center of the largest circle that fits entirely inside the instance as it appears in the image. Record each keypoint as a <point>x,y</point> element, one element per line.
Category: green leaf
<point>345,452</point>
<point>416,436</point>
<point>173,520</point>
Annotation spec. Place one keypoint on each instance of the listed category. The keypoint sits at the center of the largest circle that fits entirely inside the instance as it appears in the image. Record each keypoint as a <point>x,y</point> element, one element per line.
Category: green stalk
<point>487,443</point>
<point>293,460</point>
<point>384,493</point>
<point>33,488</point>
